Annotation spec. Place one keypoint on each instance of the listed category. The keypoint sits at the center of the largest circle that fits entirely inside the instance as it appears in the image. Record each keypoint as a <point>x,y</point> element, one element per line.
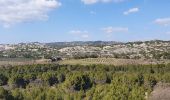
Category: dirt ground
<point>161,92</point>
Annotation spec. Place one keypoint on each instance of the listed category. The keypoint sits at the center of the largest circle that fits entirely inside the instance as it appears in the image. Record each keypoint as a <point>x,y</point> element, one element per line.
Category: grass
<point>20,61</point>
<point>109,61</point>
<point>88,61</point>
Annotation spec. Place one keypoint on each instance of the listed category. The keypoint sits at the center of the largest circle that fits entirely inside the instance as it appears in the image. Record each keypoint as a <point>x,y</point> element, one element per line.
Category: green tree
<point>3,93</point>
<point>3,80</point>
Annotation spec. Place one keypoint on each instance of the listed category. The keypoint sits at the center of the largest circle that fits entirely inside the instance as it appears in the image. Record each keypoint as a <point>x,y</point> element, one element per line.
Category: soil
<point>161,92</point>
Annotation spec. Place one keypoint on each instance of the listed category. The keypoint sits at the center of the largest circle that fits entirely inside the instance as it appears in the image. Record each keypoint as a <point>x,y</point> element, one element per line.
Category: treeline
<point>77,82</point>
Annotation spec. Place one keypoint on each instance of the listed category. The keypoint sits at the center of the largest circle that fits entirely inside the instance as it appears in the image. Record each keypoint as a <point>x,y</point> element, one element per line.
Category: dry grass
<point>109,61</point>
<point>24,62</point>
<point>88,61</point>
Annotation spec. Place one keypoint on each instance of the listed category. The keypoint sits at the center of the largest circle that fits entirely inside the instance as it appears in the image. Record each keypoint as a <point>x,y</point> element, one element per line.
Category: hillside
<point>155,49</point>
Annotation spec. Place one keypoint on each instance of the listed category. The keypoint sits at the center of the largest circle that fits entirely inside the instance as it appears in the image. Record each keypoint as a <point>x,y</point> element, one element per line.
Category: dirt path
<point>161,92</point>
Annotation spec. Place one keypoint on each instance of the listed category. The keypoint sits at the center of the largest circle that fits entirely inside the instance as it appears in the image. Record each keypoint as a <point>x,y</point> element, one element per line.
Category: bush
<point>79,82</point>
<point>3,93</point>
<point>3,80</point>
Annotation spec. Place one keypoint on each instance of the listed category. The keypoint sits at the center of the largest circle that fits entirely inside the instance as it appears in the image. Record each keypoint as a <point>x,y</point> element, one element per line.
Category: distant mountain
<point>82,43</point>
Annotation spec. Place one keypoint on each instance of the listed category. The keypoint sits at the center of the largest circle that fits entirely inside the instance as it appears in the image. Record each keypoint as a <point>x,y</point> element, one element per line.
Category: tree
<point>17,94</point>
<point>140,79</point>
<point>79,82</point>
<point>152,81</point>
<point>3,80</point>
<point>3,93</point>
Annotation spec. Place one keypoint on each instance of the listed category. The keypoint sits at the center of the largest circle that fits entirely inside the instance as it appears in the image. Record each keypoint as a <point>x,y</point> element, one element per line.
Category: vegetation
<point>111,61</point>
<point>155,49</point>
<point>76,82</point>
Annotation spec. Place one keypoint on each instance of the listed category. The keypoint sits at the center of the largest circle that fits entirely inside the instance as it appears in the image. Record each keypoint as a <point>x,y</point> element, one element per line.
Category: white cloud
<point>89,1</point>
<point>102,1</point>
<point>162,21</point>
<point>132,10</point>
<point>80,33</point>
<point>18,11</point>
<point>168,33</point>
<point>85,36</point>
<point>111,29</point>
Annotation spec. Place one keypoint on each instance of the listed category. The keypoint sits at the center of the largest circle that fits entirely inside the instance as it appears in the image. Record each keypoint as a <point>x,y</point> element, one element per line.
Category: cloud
<point>132,10</point>
<point>85,36</point>
<point>168,33</point>
<point>18,11</point>
<point>162,21</point>
<point>111,29</point>
<point>89,1</point>
<point>80,33</point>
<point>102,1</point>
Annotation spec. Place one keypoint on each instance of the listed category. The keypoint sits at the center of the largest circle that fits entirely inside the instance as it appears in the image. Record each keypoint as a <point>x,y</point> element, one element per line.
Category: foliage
<point>76,82</point>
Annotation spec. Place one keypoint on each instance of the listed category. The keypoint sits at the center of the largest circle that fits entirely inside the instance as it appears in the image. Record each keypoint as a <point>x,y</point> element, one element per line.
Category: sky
<point>83,20</point>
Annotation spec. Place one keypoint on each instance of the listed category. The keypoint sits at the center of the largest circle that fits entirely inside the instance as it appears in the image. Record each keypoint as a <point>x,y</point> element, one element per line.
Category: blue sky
<point>83,20</point>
